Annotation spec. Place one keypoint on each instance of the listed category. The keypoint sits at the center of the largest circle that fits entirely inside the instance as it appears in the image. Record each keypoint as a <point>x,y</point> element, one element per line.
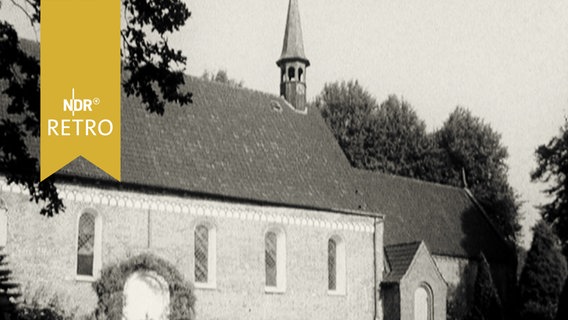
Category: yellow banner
<point>80,84</point>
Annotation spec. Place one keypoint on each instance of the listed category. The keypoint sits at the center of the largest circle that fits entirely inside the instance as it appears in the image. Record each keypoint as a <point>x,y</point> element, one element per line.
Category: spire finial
<point>293,47</point>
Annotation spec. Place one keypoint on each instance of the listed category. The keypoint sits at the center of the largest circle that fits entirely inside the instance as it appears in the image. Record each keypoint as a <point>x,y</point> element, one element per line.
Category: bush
<point>486,302</point>
<point>562,313</point>
<point>40,304</point>
<point>110,287</point>
<point>543,275</point>
<point>455,309</point>
<point>8,289</point>
<point>40,313</point>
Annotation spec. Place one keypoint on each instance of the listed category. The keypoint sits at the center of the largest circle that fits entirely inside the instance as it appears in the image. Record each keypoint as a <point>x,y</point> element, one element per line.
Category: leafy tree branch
<point>153,72</point>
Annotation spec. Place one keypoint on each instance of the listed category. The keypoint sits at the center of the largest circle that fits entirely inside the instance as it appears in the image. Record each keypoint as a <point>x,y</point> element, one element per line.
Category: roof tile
<point>231,142</point>
<point>444,217</point>
<point>399,257</point>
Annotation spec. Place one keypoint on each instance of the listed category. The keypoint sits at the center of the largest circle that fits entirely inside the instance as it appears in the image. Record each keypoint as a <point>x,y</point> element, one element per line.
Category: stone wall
<point>42,251</point>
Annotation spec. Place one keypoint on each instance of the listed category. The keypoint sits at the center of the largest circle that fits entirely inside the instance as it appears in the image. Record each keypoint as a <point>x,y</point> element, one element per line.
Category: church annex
<point>250,197</point>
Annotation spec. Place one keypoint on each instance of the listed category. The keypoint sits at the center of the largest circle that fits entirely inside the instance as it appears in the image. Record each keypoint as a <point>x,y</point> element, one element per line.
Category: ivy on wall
<point>110,287</point>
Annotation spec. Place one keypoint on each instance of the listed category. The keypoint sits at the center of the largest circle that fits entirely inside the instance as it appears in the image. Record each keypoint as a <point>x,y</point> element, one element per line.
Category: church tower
<point>293,61</point>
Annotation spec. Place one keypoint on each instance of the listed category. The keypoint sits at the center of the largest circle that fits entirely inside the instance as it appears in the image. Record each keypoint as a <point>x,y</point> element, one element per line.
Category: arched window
<point>300,74</point>
<point>205,255</point>
<point>332,264</point>
<point>336,266</point>
<point>291,73</point>
<point>423,303</point>
<point>283,74</point>
<point>88,245</point>
<point>275,260</point>
<point>271,258</point>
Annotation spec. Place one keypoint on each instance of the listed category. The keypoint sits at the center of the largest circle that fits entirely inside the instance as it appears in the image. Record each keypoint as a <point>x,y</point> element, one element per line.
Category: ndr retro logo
<point>79,127</point>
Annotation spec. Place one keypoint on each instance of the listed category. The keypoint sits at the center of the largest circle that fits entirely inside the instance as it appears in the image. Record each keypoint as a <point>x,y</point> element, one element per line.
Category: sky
<point>506,61</point>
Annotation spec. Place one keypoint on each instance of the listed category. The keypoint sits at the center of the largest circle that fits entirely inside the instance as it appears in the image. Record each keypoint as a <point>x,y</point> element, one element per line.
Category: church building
<point>250,197</point>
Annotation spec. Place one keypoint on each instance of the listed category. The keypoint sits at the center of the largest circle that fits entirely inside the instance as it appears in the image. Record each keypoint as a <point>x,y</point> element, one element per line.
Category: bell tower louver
<point>293,61</point>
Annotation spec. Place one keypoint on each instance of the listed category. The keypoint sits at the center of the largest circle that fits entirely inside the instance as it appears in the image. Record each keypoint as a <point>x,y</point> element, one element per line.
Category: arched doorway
<point>146,296</point>
<point>422,303</point>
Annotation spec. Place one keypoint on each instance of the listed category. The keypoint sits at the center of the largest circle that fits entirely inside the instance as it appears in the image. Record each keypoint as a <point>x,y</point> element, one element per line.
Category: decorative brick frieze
<point>142,201</point>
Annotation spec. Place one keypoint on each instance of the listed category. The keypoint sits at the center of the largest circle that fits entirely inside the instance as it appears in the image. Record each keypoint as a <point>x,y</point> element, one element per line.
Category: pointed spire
<point>293,47</point>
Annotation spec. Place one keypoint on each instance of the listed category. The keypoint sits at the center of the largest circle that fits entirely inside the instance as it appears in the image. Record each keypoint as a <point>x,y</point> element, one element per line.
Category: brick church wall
<point>42,251</point>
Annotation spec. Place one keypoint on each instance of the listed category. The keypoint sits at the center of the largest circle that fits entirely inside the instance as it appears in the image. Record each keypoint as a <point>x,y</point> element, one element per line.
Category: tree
<point>552,167</point>
<point>469,147</point>
<point>346,107</point>
<point>222,77</point>
<point>388,137</point>
<point>396,140</point>
<point>486,303</point>
<point>392,138</point>
<point>543,275</point>
<point>152,72</point>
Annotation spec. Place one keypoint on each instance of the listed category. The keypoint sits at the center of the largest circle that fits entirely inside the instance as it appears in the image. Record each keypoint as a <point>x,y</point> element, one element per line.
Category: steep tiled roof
<point>444,217</point>
<point>399,258</point>
<point>232,142</point>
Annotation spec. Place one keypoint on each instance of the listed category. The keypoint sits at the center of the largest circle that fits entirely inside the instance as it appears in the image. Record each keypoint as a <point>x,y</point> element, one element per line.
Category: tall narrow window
<point>204,252</point>
<point>201,253</point>
<point>332,264</point>
<point>275,261</point>
<point>86,245</point>
<point>336,270</point>
<point>300,74</point>
<point>271,258</point>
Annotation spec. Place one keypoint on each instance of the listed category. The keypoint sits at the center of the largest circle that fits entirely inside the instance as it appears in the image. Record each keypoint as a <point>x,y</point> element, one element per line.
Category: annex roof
<point>399,258</point>
<point>446,218</point>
